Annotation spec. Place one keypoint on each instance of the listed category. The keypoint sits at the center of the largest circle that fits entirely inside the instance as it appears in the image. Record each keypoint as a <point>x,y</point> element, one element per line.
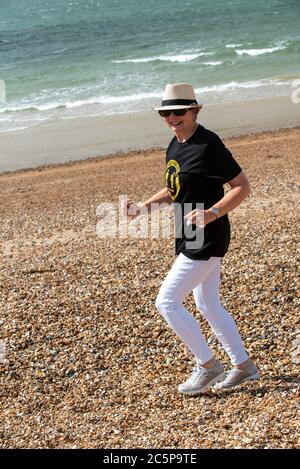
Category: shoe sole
<point>199,391</point>
<point>254,377</point>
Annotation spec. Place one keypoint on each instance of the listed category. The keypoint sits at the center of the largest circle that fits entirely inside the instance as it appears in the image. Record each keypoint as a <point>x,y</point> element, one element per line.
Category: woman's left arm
<point>240,189</point>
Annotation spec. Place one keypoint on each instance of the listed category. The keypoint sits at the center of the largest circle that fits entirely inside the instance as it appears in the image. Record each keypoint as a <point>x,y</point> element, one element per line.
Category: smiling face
<point>182,124</point>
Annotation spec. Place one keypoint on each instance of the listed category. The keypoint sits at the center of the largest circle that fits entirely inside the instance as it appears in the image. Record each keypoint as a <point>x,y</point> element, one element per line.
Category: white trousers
<point>203,278</point>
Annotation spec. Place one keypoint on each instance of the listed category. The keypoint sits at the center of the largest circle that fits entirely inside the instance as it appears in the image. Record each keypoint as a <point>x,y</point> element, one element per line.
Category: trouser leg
<point>183,277</point>
<point>207,299</point>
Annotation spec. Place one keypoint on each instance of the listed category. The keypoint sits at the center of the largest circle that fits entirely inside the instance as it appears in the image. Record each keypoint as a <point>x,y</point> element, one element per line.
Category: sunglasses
<point>176,112</point>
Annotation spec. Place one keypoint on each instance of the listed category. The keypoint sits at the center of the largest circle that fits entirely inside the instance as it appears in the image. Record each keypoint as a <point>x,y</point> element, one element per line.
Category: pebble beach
<point>86,360</point>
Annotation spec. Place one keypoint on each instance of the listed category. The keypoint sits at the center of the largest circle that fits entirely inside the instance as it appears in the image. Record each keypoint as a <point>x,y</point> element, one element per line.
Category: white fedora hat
<point>178,96</point>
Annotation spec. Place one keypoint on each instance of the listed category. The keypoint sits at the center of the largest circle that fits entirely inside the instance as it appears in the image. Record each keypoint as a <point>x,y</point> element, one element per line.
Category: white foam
<point>4,119</point>
<point>106,99</point>
<point>117,102</point>
<point>232,46</point>
<point>14,129</point>
<point>33,107</point>
<point>113,99</point>
<point>254,52</point>
<point>217,62</point>
<point>166,58</point>
<point>232,85</point>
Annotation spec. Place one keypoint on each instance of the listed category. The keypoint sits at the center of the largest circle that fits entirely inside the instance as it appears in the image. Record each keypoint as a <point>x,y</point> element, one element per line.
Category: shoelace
<point>196,374</point>
<point>232,373</point>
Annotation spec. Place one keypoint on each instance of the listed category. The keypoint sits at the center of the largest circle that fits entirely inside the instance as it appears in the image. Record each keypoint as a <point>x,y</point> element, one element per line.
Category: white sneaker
<point>202,378</point>
<point>236,377</point>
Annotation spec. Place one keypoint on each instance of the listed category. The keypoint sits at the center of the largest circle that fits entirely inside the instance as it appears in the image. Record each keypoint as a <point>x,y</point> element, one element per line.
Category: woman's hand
<point>199,217</point>
<point>131,209</point>
<point>240,189</point>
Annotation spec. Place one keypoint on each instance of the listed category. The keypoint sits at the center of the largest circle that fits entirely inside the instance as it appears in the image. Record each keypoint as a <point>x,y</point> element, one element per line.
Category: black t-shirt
<point>195,173</point>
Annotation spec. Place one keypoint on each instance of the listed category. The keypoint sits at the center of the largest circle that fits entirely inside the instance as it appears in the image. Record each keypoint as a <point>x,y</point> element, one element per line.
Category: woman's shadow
<point>280,383</point>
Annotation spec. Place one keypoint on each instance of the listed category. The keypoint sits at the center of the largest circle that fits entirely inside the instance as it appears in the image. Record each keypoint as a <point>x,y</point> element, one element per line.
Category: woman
<point>198,164</point>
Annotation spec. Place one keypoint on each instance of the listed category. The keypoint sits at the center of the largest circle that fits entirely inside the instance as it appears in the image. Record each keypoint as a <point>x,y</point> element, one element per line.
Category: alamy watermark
<point>2,91</point>
<point>115,220</point>
<point>2,351</point>
<point>296,93</point>
<point>296,350</point>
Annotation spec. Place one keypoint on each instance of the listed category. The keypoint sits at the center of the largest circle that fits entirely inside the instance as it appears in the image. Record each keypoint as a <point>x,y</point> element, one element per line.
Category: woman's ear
<point>196,112</point>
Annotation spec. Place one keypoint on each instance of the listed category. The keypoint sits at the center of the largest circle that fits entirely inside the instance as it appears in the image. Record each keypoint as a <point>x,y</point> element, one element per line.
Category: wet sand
<point>76,139</point>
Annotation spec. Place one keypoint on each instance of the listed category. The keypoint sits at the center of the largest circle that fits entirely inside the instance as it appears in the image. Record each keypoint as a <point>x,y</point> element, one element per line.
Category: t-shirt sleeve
<point>219,163</point>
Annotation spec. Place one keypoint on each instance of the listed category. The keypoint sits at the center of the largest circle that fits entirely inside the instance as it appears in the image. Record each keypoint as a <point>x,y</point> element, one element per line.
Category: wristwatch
<point>216,211</point>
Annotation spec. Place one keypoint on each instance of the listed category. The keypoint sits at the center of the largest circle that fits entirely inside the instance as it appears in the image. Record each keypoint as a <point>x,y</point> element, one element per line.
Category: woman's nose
<point>172,115</point>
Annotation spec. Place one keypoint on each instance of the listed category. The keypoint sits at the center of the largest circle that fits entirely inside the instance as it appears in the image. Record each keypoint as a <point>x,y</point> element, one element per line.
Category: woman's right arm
<point>153,203</point>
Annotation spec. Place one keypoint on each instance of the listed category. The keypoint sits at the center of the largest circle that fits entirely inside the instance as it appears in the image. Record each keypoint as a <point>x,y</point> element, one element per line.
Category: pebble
<point>90,362</point>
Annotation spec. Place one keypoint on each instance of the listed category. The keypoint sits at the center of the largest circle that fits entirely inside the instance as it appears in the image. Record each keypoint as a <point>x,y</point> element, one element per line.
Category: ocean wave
<point>232,46</point>
<point>254,52</point>
<point>134,99</point>
<point>32,107</point>
<point>113,99</point>
<point>5,119</point>
<point>239,85</point>
<point>13,129</point>
<point>71,104</point>
<point>217,62</point>
<point>166,58</point>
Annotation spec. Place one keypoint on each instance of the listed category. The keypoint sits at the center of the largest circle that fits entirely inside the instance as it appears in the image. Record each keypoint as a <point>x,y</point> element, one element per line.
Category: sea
<point>64,59</point>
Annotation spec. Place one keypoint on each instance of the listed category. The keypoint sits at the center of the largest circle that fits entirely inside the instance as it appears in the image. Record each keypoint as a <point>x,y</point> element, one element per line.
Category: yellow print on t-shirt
<point>172,178</point>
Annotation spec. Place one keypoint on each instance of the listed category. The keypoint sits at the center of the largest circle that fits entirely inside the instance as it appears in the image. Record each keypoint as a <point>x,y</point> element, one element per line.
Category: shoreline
<point>81,139</point>
<point>144,152</point>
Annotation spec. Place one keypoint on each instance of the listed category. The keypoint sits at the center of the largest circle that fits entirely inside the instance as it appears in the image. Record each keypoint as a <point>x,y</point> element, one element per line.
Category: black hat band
<point>178,102</point>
